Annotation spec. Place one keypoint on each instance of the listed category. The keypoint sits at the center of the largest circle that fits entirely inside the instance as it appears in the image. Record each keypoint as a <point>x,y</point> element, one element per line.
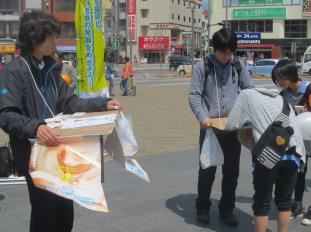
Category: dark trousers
<point>283,176</point>
<point>49,212</point>
<point>230,170</point>
<point>300,184</point>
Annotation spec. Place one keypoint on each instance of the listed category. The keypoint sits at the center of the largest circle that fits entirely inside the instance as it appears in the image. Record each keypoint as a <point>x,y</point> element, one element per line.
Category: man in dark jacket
<point>32,90</point>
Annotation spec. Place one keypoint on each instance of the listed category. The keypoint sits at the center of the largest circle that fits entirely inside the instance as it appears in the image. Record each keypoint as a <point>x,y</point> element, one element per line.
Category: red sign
<point>131,7</point>
<point>153,42</point>
<point>131,27</point>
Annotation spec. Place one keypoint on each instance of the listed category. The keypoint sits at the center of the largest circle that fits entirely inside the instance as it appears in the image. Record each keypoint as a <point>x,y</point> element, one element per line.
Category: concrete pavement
<point>165,206</point>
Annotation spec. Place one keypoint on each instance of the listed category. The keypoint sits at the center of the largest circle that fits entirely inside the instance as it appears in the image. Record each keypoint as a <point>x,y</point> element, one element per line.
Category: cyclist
<point>127,73</point>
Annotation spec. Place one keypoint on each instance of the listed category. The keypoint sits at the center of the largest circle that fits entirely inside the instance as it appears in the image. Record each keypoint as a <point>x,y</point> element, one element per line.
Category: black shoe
<point>203,216</point>
<point>112,95</point>
<point>124,94</point>
<point>297,209</point>
<point>229,220</point>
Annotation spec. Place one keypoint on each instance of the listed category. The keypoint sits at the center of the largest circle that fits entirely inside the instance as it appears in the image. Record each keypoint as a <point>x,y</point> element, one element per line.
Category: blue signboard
<point>248,36</point>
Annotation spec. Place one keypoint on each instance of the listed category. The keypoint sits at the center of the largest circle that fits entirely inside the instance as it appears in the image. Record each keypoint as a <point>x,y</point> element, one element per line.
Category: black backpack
<point>6,161</point>
<point>208,67</point>
<point>273,143</point>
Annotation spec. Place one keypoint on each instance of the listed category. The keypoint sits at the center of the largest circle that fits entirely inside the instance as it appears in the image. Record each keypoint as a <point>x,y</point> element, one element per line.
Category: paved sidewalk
<point>165,206</point>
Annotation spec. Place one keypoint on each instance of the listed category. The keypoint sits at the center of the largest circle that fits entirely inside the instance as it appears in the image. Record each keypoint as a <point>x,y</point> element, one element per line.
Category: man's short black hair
<point>225,39</point>
<point>34,28</point>
<point>127,59</point>
<point>285,69</point>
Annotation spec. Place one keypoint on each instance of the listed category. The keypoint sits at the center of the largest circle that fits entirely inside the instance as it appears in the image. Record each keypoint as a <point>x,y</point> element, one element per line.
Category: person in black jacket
<point>31,90</point>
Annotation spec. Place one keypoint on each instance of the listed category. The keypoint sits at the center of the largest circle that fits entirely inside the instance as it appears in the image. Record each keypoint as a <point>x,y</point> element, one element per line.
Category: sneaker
<point>229,220</point>
<point>203,216</point>
<point>297,209</point>
<point>307,218</point>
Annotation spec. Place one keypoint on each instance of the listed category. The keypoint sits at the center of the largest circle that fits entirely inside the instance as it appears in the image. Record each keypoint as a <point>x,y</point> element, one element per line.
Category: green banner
<point>259,13</point>
<point>260,2</point>
<point>90,49</point>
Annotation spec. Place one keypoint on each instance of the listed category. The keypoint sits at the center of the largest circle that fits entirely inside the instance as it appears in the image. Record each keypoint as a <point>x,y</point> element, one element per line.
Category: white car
<point>186,67</point>
<point>306,62</point>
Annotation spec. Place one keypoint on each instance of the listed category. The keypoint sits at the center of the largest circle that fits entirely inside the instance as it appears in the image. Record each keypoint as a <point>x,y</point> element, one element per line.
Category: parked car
<point>175,61</point>
<point>306,61</point>
<point>186,67</point>
<point>261,67</point>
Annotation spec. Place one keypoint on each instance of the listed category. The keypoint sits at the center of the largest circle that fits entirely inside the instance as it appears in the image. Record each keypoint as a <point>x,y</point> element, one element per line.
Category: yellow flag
<point>90,49</point>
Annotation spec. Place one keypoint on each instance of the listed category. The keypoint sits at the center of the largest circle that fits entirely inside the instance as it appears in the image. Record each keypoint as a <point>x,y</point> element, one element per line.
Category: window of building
<point>184,18</point>
<point>295,28</point>
<point>67,30</point>
<point>172,1</point>
<point>122,7</point>
<point>268,26</point>
<point>14,29</point>
<point>144,13</point>
<point>260,26</point>
<point>144,30</point>
<point>175,35</point>
<point>172,16</point>
<point>252,25</point>
<point>189,19</point>
<point>184,3</point>
<point>178,2</point>
<point>108,23</point>
<point>2,29</point>
<point>199,20</point>
<point>9,5</point>
<point>178,17</point>
<point>64,5</point>
<point>194,20</point>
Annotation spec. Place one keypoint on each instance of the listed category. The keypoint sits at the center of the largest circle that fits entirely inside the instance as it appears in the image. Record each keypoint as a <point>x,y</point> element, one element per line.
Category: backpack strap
<point>208,66</point>
<point>238,68</point>
<point>283,117</point>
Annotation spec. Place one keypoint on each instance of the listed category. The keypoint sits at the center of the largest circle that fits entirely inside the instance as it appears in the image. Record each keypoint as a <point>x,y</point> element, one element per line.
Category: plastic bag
<point>125,132</point>
<point>211,153</point>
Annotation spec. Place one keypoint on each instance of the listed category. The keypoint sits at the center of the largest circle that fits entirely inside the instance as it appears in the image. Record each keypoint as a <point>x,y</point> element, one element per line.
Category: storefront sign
<point>306,8</point>
<point>243,41</point>
<point>131,7</point>
<point>131,16</point>
<point>131,27</point>
<point>261,2</point>
<point>153,42</point>
<point>255,13</point>
<point>162,26</point>
<point>248,36</point>
<point>7,48</point>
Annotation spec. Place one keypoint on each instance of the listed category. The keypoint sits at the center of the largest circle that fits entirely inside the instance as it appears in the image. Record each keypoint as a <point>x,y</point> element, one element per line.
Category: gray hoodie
<point>258,108</point>
<point>210,105</point>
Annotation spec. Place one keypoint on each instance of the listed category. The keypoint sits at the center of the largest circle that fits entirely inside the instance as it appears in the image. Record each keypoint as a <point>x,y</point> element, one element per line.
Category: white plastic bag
<point>125,132</point>
<point>211,153</point>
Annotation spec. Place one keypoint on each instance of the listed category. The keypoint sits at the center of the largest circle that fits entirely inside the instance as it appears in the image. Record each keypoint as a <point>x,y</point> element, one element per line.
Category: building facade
<point>266,28</point>
<point>154,29</point>
<point>10,11</point>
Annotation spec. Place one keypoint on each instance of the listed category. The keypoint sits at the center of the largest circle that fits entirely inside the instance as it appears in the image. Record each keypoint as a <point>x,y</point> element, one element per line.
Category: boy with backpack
<point>278,151</point>
<point>214,88</point>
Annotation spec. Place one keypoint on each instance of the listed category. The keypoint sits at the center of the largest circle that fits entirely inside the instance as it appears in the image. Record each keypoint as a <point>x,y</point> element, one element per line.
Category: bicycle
<point>131,86</point>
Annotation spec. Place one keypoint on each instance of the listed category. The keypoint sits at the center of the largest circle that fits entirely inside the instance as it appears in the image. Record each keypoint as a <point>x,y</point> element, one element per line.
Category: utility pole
<point>192,30</point>
<point>226,24</point>
<point>116,12</point>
